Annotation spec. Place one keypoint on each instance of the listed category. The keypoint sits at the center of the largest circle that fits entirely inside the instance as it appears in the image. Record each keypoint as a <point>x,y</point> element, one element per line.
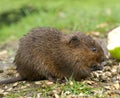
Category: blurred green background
<point>19,16</point>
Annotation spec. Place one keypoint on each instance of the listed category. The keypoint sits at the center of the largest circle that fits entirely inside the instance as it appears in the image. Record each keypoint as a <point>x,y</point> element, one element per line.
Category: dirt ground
<point>107,80</point>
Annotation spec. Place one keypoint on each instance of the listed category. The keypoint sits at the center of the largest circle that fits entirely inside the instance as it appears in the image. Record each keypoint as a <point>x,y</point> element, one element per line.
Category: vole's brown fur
<point>48,53</point>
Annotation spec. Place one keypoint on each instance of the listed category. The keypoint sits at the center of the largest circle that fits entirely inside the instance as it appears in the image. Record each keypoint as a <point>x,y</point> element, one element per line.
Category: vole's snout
<point>99,66</point>
<point>96,67</point>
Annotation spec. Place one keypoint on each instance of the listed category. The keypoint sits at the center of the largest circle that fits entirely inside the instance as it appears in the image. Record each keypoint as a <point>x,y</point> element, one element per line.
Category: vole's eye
<point>94,49</point>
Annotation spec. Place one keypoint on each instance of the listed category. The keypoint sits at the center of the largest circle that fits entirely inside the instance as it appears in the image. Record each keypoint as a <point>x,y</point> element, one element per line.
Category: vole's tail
<point>11,80</point>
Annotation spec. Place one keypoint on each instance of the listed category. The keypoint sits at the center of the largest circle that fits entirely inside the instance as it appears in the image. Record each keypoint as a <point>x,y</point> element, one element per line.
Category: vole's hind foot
<point>51,78</point>
<point>55,80</point>
<point>62,80</point>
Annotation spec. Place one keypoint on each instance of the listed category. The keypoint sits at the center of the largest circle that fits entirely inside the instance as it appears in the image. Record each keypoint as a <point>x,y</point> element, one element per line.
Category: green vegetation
<point>65,15</point>
<point>47,90</point>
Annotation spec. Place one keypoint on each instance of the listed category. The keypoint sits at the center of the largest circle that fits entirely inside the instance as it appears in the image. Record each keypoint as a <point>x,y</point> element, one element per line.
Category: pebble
<point>108,74</point>
<point>107,87</point>
<point>118,77</point>
<point>23,87</point>
<point>49,83</point>
<point>5,93</point>
<point>38,82</point>
<point>103,77</point>
<point>28,85</point>
<point>67,92</point>
<point>6,87</point>
<point>114,71</point>
<point>1,91</point>
<point>3,55</point>
<point>9,89</point>
<point>116,85</point>
<point>38,95</point>
<point>15,84</point>
<point>113,79</point>
<point>56,96</point>
<point>89,82</point>
<point>71,83</point>
<point>95,75</point>
<point>22,97</point>
<point>118,69</point>
<point>107,68</point>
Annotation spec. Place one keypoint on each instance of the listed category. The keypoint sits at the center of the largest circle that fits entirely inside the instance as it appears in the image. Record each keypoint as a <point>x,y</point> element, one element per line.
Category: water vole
<point>46,53</point>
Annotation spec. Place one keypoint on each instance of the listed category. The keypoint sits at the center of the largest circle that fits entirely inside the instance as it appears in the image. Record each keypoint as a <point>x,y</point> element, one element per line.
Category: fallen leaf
<point>102,25</point>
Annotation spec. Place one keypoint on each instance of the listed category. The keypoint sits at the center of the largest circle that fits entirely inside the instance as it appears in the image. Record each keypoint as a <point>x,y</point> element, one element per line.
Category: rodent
<point>46,53</point>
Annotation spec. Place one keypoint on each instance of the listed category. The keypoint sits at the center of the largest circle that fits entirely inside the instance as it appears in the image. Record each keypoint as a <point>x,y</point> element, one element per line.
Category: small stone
<point>56,96</point>
<point>118,77</point>
<point>113,79</point>
<point>116,85</point>
<point>107,68</point>
<point>89,82</point>
<point>118,69</point>
<point>24,82</point>
<point>109,62</point>
<point>108,74</point>
<point>114,71</point>
<point>1,91</point>
<point>70,96</point>
<point>67,92</point>
<point>5,93</point>
<point>23,87</point>
<point>97,92</point>
<point>95,75</point>
<point>3,55</point>
<point>71,83</point>
<point>15,84</point>
<point>82,95</point>
<point>9,89</point>
<point>6,87</point>
<point>21,97</point>
<point>27,85</point>
<point>49,83</point>
<point>103,77</point>
<point>107,87</point>
<point>38,82</point>
<point>38,95</point>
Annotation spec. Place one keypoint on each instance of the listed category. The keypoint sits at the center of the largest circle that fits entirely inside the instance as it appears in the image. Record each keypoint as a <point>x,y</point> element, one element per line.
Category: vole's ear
<point>74,41</point>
